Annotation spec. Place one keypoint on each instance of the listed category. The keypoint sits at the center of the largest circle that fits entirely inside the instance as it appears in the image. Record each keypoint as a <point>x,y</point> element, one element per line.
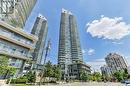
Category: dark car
<point>122,81</point>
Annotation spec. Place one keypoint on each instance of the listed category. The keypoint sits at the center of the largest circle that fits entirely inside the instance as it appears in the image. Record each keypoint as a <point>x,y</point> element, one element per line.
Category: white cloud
<point>108,28</point>
<point>91,51</point>
<point>117,43</point>
<point>83,51</point>
<point>96,64</point>
<point>88,51</point>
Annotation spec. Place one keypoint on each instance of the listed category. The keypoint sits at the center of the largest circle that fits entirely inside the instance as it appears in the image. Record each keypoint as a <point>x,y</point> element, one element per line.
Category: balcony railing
<point>16,53</point>
<point>11,35</point>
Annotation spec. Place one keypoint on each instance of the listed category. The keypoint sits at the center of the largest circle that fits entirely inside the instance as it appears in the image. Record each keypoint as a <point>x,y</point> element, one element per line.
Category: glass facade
<point>77,68</point>
<point>15,62</point>
<point>13,49</point>
<point>16,12</point>
<point>17,52</point>
<point>7,6</point>
<point>15,36</point>
<point>69,44</point>
<point>14,43</point>
<point>40,29</point>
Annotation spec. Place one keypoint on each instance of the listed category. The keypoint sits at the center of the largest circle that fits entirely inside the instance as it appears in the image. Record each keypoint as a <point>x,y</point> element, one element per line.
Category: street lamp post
<point>46,54</point>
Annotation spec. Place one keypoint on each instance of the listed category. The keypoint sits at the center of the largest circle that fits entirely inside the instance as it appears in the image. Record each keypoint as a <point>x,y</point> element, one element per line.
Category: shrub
<point>20,80</point>
<point>21,85</point>
<point>31,77</point>
<point>52,81</point>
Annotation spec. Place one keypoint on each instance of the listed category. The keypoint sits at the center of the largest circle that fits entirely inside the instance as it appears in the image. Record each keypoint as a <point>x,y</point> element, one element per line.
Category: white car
<point>127,84</point>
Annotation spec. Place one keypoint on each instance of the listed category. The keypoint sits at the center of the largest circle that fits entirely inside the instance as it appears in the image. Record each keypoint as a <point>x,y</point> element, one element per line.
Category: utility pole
<point>46,54</point>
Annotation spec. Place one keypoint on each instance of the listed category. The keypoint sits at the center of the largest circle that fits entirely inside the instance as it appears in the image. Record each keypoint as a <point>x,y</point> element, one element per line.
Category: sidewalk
<point>3,83</point>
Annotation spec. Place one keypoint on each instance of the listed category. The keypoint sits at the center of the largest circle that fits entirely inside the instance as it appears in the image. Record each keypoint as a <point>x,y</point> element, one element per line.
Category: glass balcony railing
<point>16,52</point>
<point>16,64</point>
<point>11,35</point>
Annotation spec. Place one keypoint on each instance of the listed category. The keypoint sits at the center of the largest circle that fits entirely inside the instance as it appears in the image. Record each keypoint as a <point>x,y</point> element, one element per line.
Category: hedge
<point>20,80</point>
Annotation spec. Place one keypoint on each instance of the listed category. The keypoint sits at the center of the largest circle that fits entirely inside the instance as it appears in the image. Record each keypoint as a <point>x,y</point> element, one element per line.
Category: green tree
<point>125,74</point>
<point>84,76</point>
<point>48,71</point>
<point>5,69</point>
<point>11,70</point>
<point>119,75</point>
<point>56,72</point>
<point>3,61</point>
<point>106,76</point>
<point>96,76</point>
<point>31,76</point>
<point>52,71</point>
<point>3,64</point>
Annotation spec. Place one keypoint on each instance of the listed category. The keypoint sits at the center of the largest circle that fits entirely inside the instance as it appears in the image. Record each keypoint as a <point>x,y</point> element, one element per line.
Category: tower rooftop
<point>66,11</point>
<point>41,16</point>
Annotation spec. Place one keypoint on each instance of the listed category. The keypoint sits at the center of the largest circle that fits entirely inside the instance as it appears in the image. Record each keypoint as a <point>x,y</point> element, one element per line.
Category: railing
<point>13,52</point>
<point>11,35</point>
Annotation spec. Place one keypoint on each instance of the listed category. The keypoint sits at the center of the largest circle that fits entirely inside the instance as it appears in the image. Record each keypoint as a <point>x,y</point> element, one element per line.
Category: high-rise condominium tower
<point>116,62</point>
<point>16,12</point>
<point>106,71</point>
<point>40,29</point>
<point>69,44</point>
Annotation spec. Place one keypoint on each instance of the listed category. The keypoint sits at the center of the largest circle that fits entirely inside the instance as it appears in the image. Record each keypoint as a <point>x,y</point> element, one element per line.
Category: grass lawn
<point>21,85</point>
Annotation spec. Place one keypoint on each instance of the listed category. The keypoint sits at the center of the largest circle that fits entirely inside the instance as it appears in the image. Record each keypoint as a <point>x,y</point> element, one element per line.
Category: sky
<point>103,25</point>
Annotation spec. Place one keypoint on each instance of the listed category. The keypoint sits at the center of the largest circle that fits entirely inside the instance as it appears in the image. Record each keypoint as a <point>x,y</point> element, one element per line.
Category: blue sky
<point>97,40</point>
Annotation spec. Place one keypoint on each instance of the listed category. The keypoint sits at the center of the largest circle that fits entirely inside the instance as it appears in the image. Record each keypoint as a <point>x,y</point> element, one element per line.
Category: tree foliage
<point>96,76</point>
<point>4,67</point>
<point>125,74</point>
<point>3,61</point>
<point>48,71</point>
<point>121,75</point>
<point>31,77</point>
<point>56,71</point>
<point>118,75</point>
<point>84,76</point>
<point>51,70</point>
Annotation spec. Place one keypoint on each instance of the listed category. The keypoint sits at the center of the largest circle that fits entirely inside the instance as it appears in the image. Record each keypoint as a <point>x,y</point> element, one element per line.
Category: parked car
<point>122,81</point>
<point>127,84</point>
<point>127,81</point>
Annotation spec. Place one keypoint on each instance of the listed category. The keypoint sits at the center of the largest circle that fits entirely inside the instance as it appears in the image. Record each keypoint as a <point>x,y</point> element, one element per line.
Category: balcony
<point>14,53</point>
<point>14,39</point>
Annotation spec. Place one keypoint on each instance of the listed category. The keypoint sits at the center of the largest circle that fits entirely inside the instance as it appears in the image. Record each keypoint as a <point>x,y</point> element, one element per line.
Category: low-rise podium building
<point>16,45</point>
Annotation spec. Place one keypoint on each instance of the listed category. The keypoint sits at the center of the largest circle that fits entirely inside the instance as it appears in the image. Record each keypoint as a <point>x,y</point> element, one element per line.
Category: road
<point>89,84</point>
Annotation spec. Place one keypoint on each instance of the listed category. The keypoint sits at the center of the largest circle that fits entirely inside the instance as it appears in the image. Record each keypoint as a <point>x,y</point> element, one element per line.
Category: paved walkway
<point>3,83</point>
<point>90,84</point>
